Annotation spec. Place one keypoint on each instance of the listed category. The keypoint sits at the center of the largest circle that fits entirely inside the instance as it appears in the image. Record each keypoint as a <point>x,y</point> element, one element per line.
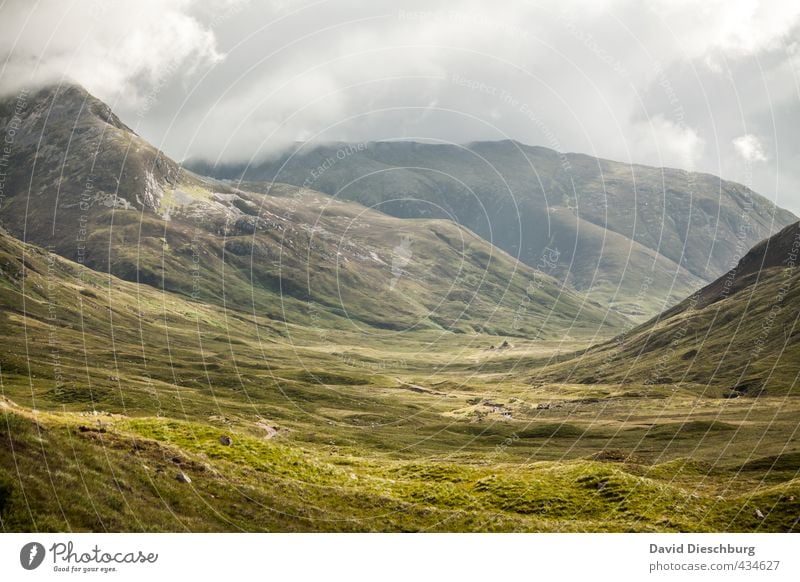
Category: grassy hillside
<point>110,390</point>
<point>84,185</point>
<point>638,238</point>
<point>738,336</point>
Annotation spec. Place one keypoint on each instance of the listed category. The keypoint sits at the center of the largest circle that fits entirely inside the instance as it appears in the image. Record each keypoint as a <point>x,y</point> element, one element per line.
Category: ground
<point>397,437</point>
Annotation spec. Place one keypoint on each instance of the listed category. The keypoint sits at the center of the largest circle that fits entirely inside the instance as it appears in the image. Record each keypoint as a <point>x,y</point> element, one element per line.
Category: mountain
<point>636,238</point>
<point>738,336</point>
<point>82,183</point>
<point>171,343</point>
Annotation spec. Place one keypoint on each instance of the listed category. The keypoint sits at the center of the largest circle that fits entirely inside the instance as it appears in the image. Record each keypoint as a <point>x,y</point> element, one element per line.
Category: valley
<point>419,430</point>
<point>181,352</point>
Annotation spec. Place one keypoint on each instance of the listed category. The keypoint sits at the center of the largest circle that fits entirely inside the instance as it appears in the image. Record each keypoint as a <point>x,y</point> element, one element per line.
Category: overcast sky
<point>712,85</point>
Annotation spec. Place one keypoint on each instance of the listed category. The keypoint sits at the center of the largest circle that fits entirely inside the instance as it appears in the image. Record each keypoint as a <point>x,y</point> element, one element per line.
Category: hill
<point>637,238</point>
<point>738,336</point>
<point>83,184</point>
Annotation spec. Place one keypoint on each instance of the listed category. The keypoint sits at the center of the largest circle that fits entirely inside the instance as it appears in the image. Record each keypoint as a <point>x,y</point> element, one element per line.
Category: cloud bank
<point>695,84</point>
<point>112,48</point>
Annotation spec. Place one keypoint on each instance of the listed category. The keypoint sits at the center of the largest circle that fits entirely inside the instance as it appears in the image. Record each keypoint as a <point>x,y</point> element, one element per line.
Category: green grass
<point>65,477</point>
<point>454,396</point>
<point>420,431</point>
<point>745,345</point>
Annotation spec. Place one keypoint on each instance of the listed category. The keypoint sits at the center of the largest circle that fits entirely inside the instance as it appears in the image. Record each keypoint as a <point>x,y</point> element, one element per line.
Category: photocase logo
<point>401,256</point>
<point>31,555</point>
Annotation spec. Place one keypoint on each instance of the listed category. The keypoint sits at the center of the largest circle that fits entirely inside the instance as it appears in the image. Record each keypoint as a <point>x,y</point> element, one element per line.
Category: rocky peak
<point>71,150</point>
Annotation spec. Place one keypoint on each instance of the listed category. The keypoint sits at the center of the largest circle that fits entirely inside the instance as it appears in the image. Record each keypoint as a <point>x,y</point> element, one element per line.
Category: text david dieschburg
<point>690,548</point>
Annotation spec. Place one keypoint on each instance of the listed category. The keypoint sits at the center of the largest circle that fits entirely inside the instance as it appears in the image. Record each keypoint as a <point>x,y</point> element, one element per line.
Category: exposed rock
<point>758,514</point>
<point>83,428</point>
<point>225,440</point>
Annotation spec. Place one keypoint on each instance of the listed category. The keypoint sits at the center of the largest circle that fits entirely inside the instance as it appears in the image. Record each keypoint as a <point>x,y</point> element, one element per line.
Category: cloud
<point>750,148</point>
<point>669,143</point>
<point>660,82</point>
<point>113,50</point>
<point>715,29</point>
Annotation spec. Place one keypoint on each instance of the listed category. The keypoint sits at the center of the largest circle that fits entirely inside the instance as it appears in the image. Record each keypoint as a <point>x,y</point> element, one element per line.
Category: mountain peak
<point>72,157</point>
<point>70,100</point>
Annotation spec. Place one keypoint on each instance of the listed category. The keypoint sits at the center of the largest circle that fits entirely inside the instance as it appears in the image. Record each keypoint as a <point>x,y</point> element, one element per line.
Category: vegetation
<point>127,387</point>
<point>737,337</point>
<point>111,473</point>
<point>264,358</point>
<point>638,239</point>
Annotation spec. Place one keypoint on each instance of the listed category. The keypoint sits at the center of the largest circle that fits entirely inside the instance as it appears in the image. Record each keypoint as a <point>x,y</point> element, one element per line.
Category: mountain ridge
<point>86,186</point>
<point>506,192</point>
<point>737,336</point>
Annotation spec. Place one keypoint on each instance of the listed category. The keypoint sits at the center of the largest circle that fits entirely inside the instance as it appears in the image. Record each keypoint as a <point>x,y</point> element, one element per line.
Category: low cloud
<point>118,51</point>
<point>663,82</point>
<point>750,148</point>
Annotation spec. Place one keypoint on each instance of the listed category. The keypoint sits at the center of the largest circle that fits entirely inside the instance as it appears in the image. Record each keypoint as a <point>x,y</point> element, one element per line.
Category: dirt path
<point>270,430</point>
<point>419,389</point>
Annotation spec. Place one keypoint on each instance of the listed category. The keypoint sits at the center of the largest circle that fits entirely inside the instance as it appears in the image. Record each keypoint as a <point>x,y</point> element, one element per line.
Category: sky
<point>710,85</point>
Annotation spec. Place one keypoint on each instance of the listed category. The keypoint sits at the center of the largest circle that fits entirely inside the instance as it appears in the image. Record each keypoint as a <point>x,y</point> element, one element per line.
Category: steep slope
<point>83,184</point>
<point>70,154</point>
<point>738,336</point>
<point>677,230</point>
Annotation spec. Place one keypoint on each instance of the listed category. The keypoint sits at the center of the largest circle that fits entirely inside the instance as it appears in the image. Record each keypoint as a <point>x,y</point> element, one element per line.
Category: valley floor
<point>396,436</point>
